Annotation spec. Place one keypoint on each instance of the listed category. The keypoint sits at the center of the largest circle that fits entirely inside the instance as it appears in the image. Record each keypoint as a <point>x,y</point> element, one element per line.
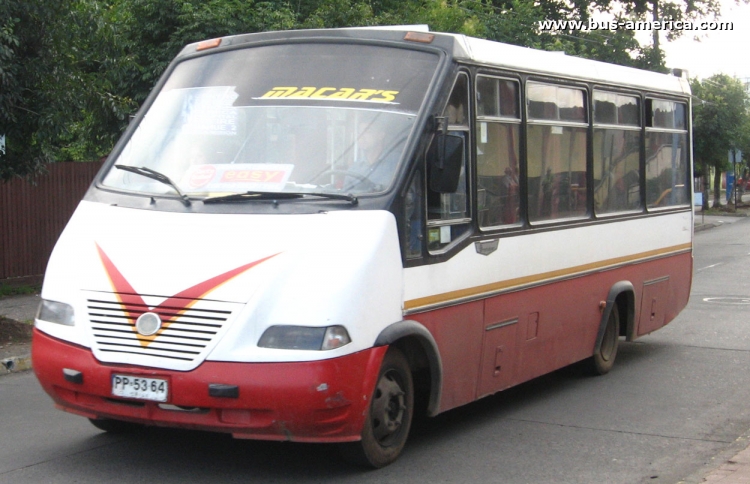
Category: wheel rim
<point>388,408</point>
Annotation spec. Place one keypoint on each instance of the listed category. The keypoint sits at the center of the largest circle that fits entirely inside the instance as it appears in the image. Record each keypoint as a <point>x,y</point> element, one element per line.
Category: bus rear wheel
<point>389,417</point>
<point>604,357</point>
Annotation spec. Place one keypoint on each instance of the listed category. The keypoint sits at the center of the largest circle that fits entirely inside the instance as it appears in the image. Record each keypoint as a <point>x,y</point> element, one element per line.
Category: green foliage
<point>154,31</point>
<point>720,122</point>
<point>719,116</point>
<point>677,10</point>
<point>24,119</point>
<point>339,13</point>
<point>59,96</point>
<point>9,290</point>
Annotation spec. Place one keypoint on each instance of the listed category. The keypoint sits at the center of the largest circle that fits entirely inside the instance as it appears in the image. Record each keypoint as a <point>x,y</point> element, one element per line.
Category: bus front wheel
<point>389,417</point>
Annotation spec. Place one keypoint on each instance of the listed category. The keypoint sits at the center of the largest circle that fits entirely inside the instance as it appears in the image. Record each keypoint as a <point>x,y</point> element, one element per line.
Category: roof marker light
<point>208,44</point>
<point>422,37</point>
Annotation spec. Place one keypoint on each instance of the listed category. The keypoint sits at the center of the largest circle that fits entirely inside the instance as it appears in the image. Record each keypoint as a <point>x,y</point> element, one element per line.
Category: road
<point>671,409</point>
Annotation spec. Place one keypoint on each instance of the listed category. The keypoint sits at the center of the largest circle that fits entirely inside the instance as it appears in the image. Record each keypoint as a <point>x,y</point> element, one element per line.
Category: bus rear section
<point>311,236</point>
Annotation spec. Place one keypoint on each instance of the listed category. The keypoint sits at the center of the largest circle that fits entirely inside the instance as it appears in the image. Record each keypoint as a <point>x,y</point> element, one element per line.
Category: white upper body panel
<point>337,268</point>
<point>545,256</point>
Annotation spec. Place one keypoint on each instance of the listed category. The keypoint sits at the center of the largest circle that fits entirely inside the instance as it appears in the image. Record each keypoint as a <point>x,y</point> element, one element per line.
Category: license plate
<point>129,386</point>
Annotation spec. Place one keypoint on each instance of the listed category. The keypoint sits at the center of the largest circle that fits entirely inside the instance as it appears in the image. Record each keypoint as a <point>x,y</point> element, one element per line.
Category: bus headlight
<point>304,338</point>
<point>56,312</point>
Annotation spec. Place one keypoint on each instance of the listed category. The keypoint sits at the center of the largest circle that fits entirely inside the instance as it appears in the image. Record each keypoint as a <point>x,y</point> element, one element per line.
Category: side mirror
<point>445,158</point>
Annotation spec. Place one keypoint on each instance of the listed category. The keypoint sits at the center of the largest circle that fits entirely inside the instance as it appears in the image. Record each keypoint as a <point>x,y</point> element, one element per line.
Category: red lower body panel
<point>491,344</point>
<point>316,401</point>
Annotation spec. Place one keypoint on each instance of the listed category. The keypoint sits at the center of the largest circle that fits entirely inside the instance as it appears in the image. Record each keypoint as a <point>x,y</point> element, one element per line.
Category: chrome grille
<point>189,326</point>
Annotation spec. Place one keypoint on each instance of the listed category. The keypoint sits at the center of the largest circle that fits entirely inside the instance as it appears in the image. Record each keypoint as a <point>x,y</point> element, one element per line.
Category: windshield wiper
<point>155,175</point>
<point>249,196</point>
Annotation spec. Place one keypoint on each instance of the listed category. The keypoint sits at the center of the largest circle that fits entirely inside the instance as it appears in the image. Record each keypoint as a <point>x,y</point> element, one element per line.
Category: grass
<point>7,290</point>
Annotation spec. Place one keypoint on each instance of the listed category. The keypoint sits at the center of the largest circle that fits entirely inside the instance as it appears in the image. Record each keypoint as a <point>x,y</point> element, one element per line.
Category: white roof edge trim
<point>534,61</point>
<point>411,28</point>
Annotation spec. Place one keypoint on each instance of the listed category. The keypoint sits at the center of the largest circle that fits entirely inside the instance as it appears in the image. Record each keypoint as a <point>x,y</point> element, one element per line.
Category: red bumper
<point>316,401</point>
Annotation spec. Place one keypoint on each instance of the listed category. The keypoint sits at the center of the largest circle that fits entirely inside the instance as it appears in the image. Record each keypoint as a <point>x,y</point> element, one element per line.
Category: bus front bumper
<point>315,401</point>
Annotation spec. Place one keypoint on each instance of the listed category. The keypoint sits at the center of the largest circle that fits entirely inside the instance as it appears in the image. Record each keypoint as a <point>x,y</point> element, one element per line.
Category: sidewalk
<point>727,213</point>
<point>734,470</point>
<point>17,356</point>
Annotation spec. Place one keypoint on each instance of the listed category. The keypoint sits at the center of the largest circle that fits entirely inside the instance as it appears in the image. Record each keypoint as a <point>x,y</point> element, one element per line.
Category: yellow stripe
<point>536,279</point>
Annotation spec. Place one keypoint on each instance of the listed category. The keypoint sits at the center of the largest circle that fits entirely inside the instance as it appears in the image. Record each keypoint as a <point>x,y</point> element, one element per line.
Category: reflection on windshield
<point>206,145</point>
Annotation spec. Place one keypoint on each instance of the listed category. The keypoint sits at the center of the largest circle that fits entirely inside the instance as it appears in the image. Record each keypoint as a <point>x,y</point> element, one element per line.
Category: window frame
<point>467,129</point>
<point>622,127</point>
<point>587,125</point>
<point>648,128</point>
<point>506,120</point>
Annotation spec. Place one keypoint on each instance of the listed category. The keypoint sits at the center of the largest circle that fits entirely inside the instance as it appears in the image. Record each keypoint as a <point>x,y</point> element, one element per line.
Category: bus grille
<point>189,328</point>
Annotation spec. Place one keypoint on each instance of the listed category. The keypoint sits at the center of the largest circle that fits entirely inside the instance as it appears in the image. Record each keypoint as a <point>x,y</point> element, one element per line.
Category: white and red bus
<point>311,235</point>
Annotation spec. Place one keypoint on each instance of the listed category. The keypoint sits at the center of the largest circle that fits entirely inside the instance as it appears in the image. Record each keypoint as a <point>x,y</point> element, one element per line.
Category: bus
<point>313,236</point>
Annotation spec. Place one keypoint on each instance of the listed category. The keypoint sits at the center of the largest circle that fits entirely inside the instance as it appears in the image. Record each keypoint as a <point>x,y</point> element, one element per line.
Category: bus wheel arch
<point>419,347</point>
<point>617,320</point>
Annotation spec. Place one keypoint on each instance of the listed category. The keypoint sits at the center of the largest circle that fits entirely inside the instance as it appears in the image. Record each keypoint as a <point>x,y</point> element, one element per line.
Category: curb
<point>706,226</point>
<point>15,364</point>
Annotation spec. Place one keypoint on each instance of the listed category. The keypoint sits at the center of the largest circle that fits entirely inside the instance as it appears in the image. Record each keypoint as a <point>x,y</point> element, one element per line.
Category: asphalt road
<point>671,409</point>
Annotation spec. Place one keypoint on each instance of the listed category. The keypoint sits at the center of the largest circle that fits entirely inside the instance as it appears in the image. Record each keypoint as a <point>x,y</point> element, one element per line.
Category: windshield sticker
<point>239,177</point>
<point>209,111</point>
<point>333,93</point>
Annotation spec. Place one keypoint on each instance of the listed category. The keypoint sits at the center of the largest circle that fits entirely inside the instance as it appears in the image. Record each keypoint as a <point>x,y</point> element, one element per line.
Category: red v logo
<point>134,305</point>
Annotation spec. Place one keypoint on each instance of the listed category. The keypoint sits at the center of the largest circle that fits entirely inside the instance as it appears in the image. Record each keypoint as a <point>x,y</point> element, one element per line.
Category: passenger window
<point>556,103</point>
<point>497,98</point>
<point>556,152</point>
<point>497,137</point>
<point>667,169</point>
<point>448,214</point>
<point>617,145</point>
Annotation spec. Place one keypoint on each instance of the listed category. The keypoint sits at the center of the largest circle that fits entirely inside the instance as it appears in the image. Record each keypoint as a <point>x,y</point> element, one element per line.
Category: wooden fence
<point>32,216</point>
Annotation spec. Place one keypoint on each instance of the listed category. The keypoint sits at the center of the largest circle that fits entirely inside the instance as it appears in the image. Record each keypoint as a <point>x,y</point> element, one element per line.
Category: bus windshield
<point>316,117</point>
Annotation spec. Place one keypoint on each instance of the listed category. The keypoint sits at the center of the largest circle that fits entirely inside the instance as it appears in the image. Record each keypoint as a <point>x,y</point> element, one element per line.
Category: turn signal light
<point>422,37</point>
<point>208,44</point>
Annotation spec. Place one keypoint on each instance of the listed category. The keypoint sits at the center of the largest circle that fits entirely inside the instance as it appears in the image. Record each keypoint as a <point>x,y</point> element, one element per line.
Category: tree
<point>720,112</point>
<point>676,10</point>
<point>24,118</point>
<point>72,71</point>
<point>57,91</point>
<point>154,31</point>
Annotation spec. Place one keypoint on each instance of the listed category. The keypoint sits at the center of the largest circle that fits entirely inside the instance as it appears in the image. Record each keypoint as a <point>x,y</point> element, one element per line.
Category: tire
<point>114,426</point>
<point>388,418</point>
<point>604,357</point>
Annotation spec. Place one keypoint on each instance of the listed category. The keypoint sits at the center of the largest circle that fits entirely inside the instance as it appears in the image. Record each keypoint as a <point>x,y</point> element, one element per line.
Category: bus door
<point>497,139</point>
<point>476,338</point>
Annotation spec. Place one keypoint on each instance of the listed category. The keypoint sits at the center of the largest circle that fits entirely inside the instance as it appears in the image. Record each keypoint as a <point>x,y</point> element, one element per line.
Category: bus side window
<point>617,146</point>
<point>667,154</point>
<point>497,140</point>
<point>556,152</point>
<point>448,214</point>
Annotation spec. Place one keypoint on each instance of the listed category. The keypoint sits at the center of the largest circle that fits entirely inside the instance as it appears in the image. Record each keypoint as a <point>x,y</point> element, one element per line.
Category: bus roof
<point>559,64</point>
<point>490,53</point>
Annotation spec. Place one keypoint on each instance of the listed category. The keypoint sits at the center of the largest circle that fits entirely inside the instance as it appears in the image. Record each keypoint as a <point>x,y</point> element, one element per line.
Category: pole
<point>735,186</point>
<point>734,167</point>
